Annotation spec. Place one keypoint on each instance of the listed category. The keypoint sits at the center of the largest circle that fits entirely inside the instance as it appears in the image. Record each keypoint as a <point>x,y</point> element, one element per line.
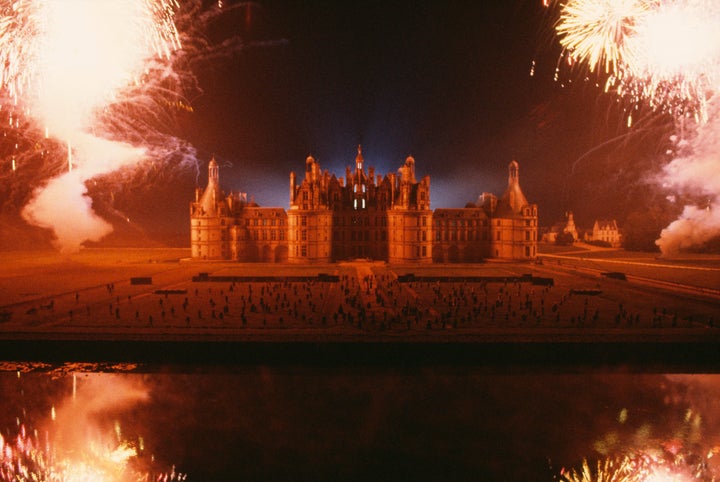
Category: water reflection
<point>376,423</point>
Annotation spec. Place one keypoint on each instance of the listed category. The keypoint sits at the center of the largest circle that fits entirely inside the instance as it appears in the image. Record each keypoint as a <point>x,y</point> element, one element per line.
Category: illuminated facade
<point>362,215</point>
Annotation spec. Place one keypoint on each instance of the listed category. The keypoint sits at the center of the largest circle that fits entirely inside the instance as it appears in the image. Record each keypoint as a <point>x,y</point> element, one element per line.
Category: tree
<point>564,239</point>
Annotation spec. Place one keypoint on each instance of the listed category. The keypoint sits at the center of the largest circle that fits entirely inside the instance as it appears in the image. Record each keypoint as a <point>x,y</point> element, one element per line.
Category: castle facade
<point>362,215</point>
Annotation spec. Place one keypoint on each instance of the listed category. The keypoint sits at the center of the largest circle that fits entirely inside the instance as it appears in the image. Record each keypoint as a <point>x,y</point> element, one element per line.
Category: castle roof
<point>513,200</point>
<point>212,194</point>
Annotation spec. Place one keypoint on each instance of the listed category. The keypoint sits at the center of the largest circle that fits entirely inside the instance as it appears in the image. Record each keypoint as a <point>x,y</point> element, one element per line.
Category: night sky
<point>447,82</point>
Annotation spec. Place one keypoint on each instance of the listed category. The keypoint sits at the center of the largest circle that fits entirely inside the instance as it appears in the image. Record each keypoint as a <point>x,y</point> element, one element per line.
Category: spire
<point>359,159</point>
<point>213,172</point>
<point>212,194</point>
<point>513,173</point>
<point>513,200</point>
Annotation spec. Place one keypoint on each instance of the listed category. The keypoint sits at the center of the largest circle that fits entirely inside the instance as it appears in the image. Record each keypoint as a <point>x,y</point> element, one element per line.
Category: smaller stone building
<point>605,230</point>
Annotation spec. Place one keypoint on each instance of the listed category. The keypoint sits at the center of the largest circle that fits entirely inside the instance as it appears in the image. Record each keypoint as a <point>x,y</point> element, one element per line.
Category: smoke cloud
<point>695,172</point>
<point>63,205</point>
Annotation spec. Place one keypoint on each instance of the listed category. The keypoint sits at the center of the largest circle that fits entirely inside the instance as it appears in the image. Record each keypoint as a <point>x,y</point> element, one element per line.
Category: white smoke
<point>695,172</point>
<point>63,205</point>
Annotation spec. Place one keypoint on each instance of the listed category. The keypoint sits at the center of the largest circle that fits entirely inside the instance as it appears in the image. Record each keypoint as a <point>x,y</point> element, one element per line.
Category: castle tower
<point>309,220</point>
<point>514,224</point>
<point>570,226</point>
<point>206,219</point>
<point>359,182</point>
<point>410,218</point>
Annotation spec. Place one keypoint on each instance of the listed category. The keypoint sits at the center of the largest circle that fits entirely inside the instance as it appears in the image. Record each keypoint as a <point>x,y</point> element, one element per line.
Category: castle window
<point>303,220</point>
<point>303,251</point>
<point>527,235</point>
<point>281,235</point>
<point>424,251</point>
<point>303,235</point>
<point>497,236</point>
<point>305,195</point>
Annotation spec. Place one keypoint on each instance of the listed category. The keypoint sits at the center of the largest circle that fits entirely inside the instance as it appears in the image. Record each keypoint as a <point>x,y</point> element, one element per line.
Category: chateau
<point>362,215</point>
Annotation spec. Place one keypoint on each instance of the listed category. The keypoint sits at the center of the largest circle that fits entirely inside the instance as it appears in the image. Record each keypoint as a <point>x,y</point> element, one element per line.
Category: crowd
<point>364,302</point>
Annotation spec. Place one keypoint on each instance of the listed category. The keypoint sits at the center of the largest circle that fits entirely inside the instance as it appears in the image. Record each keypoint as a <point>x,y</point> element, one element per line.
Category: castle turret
<point>513,200</point>
<point>206,218</point>
<point>212,196</point>
<point>514,227</point>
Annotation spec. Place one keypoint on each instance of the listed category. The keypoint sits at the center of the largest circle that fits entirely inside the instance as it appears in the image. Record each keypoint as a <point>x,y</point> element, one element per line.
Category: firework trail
<point>92,89</point>
<point>65,63</point>
<point>666,54</point>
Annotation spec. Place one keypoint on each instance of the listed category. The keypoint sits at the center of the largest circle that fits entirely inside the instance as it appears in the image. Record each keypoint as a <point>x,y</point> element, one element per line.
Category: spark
<point>665,53</point>
<point>74,448</point>
<point>71,69</point>
<point>594,31</point>
<point>65,60</point>
<point>641,467</point>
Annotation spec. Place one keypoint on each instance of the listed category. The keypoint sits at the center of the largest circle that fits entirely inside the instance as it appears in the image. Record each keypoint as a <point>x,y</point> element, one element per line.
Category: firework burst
<point>595,31</point>
<point>665,53</point>
<point>65,60</point>
<point>86,88</point>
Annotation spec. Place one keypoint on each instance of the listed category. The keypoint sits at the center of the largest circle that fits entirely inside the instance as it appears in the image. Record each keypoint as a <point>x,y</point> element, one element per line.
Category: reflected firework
<point>608,471</point>
<point>72,446</point>
<point>638,468</point>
